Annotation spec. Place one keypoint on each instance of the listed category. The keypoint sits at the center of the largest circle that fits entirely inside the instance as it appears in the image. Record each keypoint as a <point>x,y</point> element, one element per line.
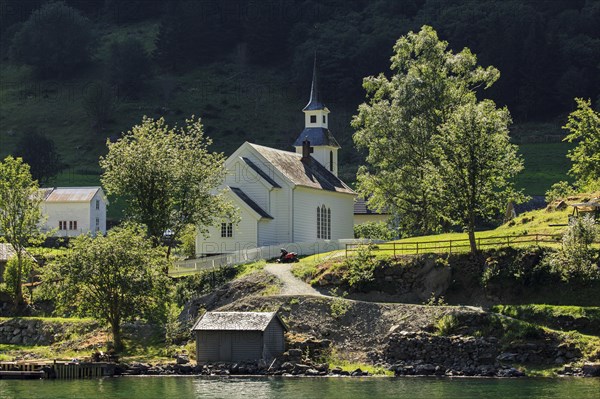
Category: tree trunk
<point>116,333</point>
<point>18,281</point>
<point>472,240</point>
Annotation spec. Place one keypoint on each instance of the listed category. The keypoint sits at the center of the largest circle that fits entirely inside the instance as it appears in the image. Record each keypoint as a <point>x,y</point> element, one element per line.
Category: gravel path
<point>291,284</point>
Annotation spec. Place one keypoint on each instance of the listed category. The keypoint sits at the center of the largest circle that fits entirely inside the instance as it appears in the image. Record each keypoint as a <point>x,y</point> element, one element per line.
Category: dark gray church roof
<point>308,173</point>
<point>235,321</point>
<point>242,195</point>
<point>316,136</point>
<point>261,172</point>
<point>361,208</point>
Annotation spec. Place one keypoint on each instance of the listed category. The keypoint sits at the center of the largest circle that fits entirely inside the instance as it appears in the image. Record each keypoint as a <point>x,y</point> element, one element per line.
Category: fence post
<point>536,240</point>
<point>450,246</point>
<point>394,249</point>
<point>417,247</point>
<point>479,242</point>
<point>508,241</point>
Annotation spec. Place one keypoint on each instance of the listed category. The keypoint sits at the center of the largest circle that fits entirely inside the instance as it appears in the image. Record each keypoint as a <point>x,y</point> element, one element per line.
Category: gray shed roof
<point>317,136</point>
<point>255,207</point>
<point>309,173</point>
<point>236,321</point>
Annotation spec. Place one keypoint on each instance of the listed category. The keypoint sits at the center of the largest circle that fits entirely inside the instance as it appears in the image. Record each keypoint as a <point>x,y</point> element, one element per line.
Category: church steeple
<point>316,131</point>
<point>315,102</point>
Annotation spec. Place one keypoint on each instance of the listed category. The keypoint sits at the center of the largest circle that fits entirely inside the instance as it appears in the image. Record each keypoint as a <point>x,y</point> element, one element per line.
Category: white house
<point>284,196</point>
<point>74,210</point>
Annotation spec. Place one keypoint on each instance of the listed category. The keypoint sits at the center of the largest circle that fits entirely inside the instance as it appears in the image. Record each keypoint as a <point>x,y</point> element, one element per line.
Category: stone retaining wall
<point>19,331</point>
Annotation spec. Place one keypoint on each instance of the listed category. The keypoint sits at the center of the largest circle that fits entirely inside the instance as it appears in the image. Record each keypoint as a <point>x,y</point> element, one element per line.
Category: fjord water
<point>300,388</point>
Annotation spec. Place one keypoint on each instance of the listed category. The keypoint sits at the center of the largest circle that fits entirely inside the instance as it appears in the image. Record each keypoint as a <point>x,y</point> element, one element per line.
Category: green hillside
<point>237,102</point>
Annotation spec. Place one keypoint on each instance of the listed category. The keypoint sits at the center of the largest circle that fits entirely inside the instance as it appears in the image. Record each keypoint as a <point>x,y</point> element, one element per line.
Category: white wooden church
<point>283,196</point>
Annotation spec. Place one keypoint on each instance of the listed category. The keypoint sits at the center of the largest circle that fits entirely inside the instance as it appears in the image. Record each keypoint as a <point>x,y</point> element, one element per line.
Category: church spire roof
<point>315,101</point>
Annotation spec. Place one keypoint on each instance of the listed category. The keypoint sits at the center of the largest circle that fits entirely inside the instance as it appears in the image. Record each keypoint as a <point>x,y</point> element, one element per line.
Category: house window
<point>323,223</point>
<point>324,119</point>
<point>331,161</point>
<point>62,225</point>
<point>313,119</point>
<point>97,224</point>
<point>97,204</point>
<point>226,230</point>
<point>72,225</point>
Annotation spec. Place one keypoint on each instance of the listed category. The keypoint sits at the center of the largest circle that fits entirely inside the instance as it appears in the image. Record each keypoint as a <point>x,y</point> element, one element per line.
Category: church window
<point>323,223</point>
<point>226,230</point>
<point>313,119</point>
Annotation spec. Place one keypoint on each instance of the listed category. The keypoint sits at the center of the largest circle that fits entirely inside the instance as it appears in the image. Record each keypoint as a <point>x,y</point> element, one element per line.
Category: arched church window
<point>323,223</point>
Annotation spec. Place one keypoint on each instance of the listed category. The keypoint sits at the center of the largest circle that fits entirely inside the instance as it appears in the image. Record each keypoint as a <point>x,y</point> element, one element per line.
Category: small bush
<point>559,190</point>
<point>360,267</point>
<point>374,231</point>
<point>447,325</point>
<point>576,259</point>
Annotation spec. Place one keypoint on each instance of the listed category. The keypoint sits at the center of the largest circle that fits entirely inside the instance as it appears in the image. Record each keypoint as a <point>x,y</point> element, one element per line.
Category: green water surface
<point>300,388</point>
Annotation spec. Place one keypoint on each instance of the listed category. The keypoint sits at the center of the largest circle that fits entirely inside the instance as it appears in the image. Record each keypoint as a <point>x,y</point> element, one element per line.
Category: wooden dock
<point>55,370</point>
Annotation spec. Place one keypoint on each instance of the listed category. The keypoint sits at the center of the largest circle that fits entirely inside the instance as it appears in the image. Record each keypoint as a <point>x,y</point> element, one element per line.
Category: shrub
<point>447,325</point>
<point>559,190</point>
<point>99,104</point>
<point>374,231</point>
<point>10,275</point>
<point>576,259</point>
<point>360,267</point>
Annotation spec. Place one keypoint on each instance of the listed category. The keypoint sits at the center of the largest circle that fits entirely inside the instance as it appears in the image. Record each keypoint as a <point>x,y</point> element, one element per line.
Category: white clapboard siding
<point>244,236</point>
<point>306,202</point>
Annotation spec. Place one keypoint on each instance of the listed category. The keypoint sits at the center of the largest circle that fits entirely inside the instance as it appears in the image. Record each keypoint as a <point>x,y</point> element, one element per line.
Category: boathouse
<point>238,336</point>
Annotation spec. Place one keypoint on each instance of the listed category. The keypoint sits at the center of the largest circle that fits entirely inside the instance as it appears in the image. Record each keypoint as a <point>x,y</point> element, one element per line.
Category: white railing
<point>261,253</point>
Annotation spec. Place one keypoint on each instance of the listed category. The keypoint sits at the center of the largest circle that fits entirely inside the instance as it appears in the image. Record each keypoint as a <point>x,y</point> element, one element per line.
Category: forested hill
<point>244,65</point>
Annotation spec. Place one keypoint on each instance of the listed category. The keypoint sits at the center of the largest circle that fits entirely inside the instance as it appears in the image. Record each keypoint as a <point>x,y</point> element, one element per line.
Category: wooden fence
<point>456,246</point>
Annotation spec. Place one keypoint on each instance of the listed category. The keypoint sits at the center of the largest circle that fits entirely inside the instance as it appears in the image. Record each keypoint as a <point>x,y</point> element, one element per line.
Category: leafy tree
<point>401,117</point>
<point>40,153</point>
<point>129,66</point>
<point>584,127</point>
<point>167,177</point>
<point>20,214</point>
<point>115,278</point>
<point>477,163</point>
<point>55,40</point>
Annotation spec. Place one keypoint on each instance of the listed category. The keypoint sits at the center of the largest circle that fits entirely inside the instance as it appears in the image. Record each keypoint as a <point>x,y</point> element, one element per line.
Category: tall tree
<point>114,278</point>
<point>55,40</point>
<point>128,66</point>
<point>39,152</point>
<point>584,127</point>
<point>167,177</point>
<point>20,213</point>
<point>477,164</point>
<point>401,117</point>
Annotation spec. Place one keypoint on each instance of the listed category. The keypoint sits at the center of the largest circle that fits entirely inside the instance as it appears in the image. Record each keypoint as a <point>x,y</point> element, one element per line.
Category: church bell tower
<point>324,147</point>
